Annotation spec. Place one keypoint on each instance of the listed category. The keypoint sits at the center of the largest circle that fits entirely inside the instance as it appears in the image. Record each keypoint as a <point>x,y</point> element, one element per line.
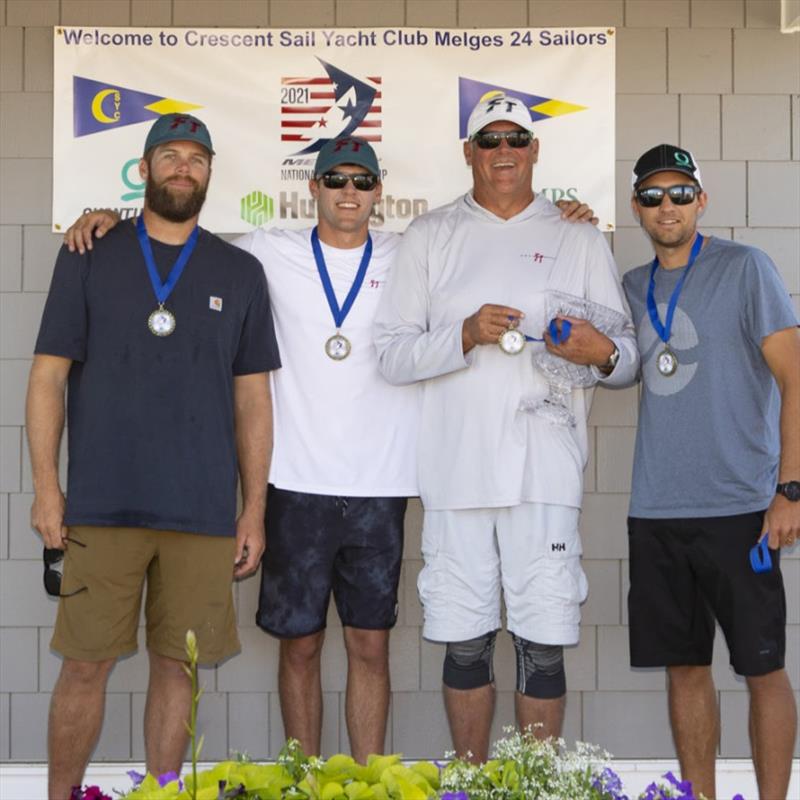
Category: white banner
<point>271,97</point>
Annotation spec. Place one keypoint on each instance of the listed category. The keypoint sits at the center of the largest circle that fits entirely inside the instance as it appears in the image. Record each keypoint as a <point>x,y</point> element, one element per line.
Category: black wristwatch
<point>790,490</point>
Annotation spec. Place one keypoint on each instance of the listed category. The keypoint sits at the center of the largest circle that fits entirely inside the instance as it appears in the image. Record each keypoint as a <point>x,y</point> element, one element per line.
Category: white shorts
<point>532,550</point>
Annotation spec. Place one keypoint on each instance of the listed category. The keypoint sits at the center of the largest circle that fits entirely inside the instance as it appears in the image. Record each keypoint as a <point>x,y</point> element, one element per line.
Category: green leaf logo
<point>257,208</point>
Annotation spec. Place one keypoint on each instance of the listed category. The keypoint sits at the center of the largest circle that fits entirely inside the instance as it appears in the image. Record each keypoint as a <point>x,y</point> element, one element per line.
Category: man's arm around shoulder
<point>45,426</point>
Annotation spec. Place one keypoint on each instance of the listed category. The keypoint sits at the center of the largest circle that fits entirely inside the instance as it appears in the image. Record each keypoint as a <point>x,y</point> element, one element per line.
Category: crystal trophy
<point>562,375</point>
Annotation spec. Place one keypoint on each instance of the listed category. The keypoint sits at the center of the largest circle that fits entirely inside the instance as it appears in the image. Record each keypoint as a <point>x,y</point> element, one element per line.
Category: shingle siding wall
<point>715,75</point>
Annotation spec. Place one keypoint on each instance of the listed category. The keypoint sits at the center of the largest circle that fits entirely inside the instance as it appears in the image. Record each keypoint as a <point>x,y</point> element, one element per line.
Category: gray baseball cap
<point>178,128</point>
<point>347,150</point>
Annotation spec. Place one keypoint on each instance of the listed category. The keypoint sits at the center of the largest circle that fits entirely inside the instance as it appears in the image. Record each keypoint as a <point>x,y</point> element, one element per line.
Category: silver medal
<point>337,347</point>
<point>667,362</point>
<point>512,341</point>
<point>161,322</point>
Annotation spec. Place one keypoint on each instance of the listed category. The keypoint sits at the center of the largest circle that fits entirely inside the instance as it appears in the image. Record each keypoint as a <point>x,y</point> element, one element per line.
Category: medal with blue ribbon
<point>667,361</point>
<point>513,340</point>
<point>161,322</point>
<point>337,346</point>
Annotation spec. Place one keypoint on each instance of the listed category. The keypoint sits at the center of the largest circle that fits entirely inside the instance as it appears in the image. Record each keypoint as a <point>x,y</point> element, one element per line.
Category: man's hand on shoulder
<point>575,211</point>
<point>79,235</point>
<point>782,522</point>
<point>585,344</point>
<point>47,517</point>
<point>250,543</point>
<point>487,325</point>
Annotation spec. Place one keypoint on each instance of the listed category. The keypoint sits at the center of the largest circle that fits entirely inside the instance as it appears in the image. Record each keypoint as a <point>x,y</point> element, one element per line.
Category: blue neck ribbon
<point>558,336</point>
<point>163,290</point>
<point>665,331</point>
<point>339,314</point>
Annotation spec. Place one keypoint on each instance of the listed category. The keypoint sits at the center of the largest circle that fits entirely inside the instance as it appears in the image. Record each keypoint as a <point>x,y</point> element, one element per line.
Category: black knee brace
<point>468,665</point>
<point>540,669</point>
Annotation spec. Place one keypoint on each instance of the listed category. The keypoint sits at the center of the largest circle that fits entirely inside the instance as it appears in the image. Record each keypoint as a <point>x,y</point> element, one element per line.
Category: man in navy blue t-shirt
<point>164,336</point>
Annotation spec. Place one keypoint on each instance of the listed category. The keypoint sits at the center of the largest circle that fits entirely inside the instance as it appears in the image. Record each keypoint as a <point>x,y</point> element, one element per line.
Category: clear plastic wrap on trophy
<point>563,376</point>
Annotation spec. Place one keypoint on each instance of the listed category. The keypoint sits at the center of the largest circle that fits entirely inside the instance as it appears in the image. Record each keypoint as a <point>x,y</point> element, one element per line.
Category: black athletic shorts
<point>686,572</point>
<point>318,544</point>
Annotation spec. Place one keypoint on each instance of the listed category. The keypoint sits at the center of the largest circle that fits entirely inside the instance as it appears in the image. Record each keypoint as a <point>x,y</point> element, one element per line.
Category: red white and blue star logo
<point>316,109</point>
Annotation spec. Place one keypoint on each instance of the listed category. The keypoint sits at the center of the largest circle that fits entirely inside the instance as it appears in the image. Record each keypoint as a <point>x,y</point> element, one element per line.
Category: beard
<point>174,206</point>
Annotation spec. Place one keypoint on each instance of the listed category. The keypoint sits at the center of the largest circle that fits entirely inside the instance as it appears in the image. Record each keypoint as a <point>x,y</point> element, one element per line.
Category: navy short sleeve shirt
<point>151,419</point>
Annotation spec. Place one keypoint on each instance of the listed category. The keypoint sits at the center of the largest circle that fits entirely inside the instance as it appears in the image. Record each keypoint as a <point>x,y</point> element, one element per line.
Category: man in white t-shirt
<point>345,440</point>
<point>501,486</point>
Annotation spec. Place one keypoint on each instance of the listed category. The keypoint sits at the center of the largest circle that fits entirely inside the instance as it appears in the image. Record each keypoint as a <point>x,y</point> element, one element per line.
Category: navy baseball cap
<point>665,158</point>
<point>347,150</point>
<point>178,128</point>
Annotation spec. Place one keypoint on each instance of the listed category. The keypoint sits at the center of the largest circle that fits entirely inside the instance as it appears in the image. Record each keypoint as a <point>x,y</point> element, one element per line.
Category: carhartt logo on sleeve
<point>215,303</point>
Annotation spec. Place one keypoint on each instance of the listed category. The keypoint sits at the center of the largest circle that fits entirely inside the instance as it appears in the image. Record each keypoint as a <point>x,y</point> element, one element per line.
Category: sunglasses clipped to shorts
<point>680,195</point>
<point>489,140</point>
<point>52,576</point>
<point>338,180</point>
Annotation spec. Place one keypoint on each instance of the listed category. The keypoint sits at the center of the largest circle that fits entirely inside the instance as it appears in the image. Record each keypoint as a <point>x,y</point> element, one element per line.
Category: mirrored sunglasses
<point>680,195</point>
<point>52,576</point>
<point>338,180</point>
<point>489,140</point>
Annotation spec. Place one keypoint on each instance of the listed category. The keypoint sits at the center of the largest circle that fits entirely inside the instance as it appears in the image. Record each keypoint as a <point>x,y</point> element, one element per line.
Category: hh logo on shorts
<point>558,547</point>
<point>215,303</point>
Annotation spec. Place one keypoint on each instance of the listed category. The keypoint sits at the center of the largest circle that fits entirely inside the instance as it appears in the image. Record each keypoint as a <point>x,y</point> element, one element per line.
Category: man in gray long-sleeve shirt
<point>501,488</point>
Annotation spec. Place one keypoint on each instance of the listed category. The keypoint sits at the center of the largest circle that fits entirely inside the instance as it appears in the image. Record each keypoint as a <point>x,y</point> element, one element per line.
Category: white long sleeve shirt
<point>476,448</point>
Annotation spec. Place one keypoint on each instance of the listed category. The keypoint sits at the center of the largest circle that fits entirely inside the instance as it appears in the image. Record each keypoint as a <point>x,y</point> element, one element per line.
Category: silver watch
<point>612,361</point>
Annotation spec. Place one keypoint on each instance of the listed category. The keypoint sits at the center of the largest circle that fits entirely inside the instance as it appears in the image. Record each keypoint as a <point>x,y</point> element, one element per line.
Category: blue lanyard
<point>558,336</point>
<point>163,290</point>
<point>665,331</point>
<point>339,314</point>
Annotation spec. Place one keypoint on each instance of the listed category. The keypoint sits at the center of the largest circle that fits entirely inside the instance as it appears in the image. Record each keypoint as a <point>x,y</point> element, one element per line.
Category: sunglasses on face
<point>52,577</point>
<point>338,180</point>
<point>489,140</point>
<point>679,195</point>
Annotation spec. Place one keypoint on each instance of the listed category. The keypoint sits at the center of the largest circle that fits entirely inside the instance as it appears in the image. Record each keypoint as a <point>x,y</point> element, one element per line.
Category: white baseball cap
<point>499,108</point>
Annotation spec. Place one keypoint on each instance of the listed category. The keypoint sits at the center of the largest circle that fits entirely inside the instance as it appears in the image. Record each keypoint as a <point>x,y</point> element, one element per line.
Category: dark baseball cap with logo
<point>665,158</point>
<point>178,128</point>
<point>347,150</point>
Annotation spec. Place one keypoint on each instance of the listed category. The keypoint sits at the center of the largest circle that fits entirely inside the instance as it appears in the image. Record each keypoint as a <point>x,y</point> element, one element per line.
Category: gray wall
<point>716,76</point>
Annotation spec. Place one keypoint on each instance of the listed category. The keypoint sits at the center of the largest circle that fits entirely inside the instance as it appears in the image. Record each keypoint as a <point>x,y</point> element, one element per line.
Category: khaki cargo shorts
<point>189,586</point>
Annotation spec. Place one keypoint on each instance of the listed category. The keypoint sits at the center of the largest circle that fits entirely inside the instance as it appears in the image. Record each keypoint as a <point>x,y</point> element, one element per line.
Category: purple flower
<point>455,796</point>
<point>608,782</point>
<point>168,777</point>
<point>682,786</point>
<point>136,777</point>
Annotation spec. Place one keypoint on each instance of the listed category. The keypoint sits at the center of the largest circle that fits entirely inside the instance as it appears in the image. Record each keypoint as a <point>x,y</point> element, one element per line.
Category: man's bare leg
<point>300,688</point>
<point>694,716</point>
<point>367,700</point>
<point>76,717</point>
<point>773,729</point>
<point>169,700</point>
<point>548,714</point>
<point>470,712</point>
